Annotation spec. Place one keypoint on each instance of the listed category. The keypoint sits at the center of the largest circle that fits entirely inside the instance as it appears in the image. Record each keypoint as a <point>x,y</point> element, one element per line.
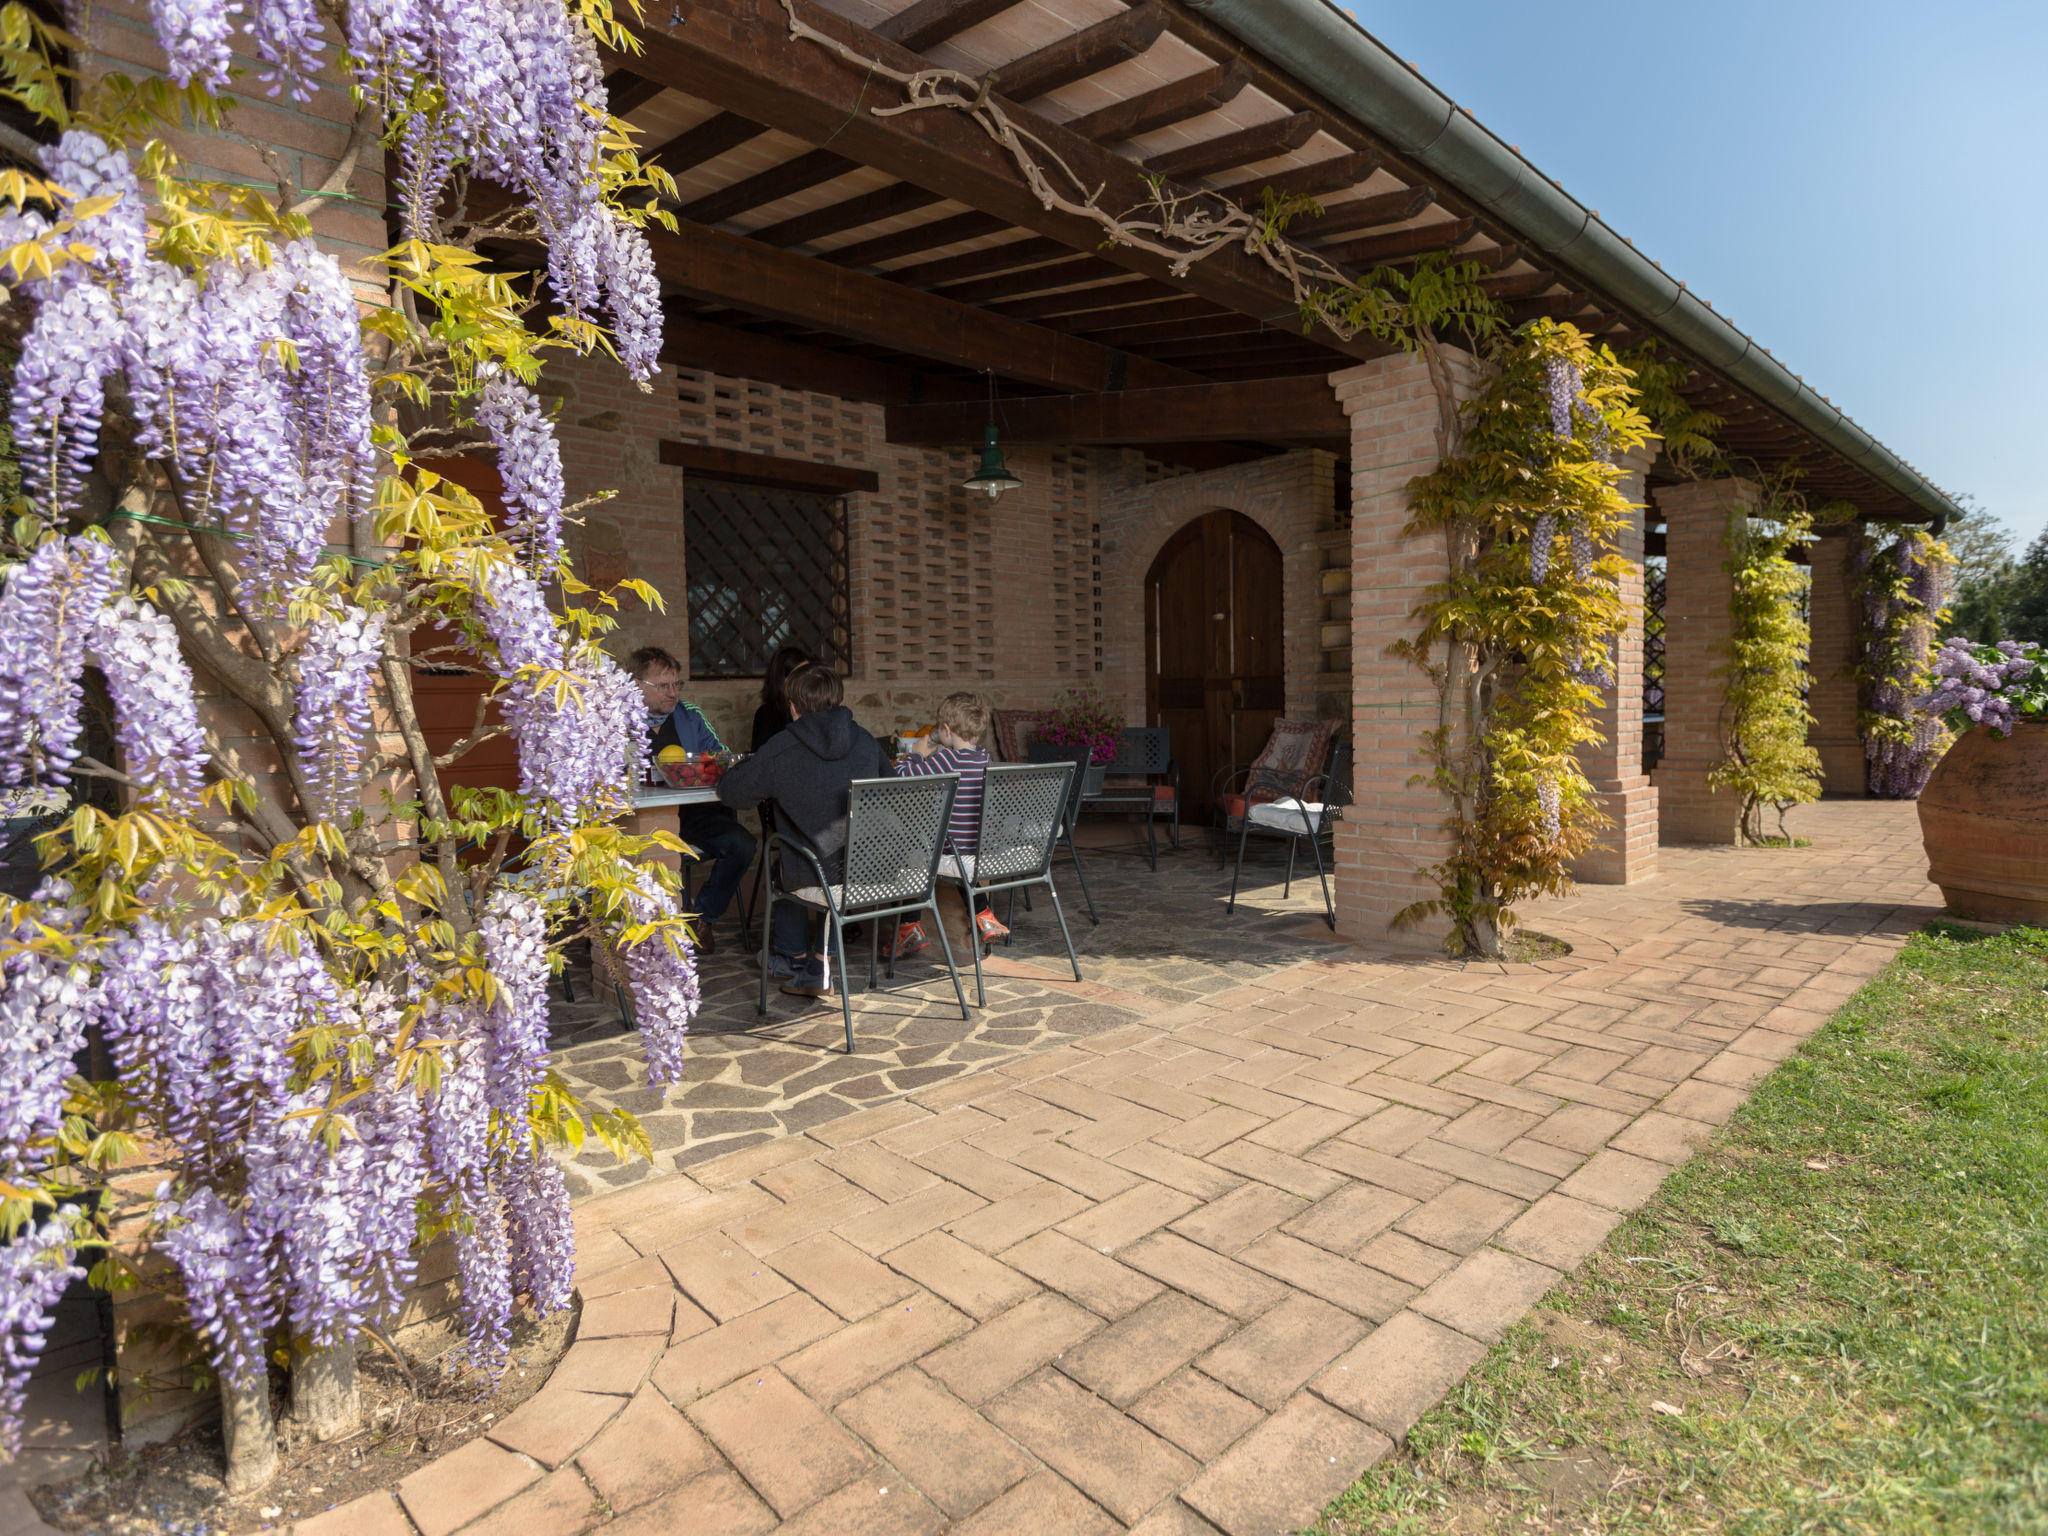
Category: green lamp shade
<point>993,477</point>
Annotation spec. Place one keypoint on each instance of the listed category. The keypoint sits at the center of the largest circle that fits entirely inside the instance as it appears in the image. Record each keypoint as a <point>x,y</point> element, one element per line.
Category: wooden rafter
<point>928,23</point>
<point>950,230</point>
<point>706,142</point>
<point>888,202</point>
<point>625,92</point>
<point>1229,151</point>
<point>1365,213</point>
<point>1335,174</point>
<point>1087,52</point>
<point>995,258</point>
<point>1065,272</point>
<point>810,169</point>
<point>1164,105</point>
<point>1422,240</point>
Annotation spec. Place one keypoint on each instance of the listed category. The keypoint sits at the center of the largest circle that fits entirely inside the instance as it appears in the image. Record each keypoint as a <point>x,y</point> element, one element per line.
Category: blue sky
<point>1863,187</point>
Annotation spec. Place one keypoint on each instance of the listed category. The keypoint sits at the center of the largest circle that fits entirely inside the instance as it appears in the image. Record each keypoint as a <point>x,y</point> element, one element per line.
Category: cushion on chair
<point>961,868</point>
<point>1011,729</point>
<point>815,895</point>
<point>1289,815</point>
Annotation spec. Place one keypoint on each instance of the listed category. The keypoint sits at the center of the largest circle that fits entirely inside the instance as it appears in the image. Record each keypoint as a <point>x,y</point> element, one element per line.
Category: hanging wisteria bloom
<point>48,615</point>
<point>156,715</point>
<point>45,1005</point>
<point>1562,384</point>
<point>529,465</point>
<point>662,973</point>
<point>1994,685</point>
<point>1902,586</point>
<point>515,1028</point>
<point>34,1270</point>
<point>337,679</point>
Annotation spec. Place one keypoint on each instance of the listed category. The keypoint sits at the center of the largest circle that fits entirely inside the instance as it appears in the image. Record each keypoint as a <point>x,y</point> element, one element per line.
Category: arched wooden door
<point>1215,674</point>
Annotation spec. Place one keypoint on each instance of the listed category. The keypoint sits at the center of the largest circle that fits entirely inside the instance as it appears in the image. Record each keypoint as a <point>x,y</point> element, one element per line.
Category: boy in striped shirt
<point>954,746</point>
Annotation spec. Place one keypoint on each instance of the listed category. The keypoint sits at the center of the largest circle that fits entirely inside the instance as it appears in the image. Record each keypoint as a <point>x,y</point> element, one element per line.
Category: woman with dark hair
<point>772,718</point>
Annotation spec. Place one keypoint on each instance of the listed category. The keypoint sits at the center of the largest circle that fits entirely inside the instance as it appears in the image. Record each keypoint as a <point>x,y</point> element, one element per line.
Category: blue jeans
<point>716,833</point>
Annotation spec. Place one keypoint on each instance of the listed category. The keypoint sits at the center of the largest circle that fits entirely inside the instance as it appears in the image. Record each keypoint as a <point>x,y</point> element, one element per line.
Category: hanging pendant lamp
<point>993,477</point>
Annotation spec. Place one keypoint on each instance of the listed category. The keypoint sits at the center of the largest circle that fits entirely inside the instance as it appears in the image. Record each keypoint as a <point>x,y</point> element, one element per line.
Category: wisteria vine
<point>1903,590</point>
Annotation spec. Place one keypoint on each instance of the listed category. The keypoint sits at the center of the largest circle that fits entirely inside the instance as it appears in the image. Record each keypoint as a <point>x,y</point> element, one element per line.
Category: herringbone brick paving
<point>1193,1275</point>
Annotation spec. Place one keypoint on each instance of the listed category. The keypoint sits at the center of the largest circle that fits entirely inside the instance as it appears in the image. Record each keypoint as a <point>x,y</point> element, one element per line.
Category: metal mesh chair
<point>895,829</point>
<point>1308,816</point>
<point>1022,808</point>
<point>1143,754</point>
<point>1295,752</point>
<point>1046,752</point>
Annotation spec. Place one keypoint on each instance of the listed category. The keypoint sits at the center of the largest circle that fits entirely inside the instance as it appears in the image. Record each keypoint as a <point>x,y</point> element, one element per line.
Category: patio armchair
<point>1142,779</point>
<point>1023,806</point>
<point>1310,817</point>
<point>1046,752</point>
<point>895,832</point>
<point>1295,752</point>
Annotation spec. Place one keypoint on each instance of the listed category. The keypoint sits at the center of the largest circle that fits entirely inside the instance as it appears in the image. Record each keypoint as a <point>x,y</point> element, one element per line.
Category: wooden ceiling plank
<point>888,202</point>
<point>1195,413</point>
<point>810,169</point>
<point>1164,105</point>
<point>1080,300</point>
<point>1069,270</point>
<point>1086,52</point>
<point>1245,146</point>
<point>1179,308</point>
<point>705,142</point>
<point>950,230</point>
<point>927,23</point>
<point>709,266</point>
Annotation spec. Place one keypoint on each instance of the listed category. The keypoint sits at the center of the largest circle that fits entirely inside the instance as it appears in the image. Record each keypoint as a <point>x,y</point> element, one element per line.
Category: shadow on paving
<point>1163,939</point>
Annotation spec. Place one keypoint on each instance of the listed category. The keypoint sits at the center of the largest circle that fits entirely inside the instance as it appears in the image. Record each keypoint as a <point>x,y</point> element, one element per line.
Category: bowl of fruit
<point>690,770</point>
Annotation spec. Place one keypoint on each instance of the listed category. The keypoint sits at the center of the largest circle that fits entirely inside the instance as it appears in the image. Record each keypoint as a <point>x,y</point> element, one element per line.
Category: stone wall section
<point>1837,640</point>
<point>1699,597</point>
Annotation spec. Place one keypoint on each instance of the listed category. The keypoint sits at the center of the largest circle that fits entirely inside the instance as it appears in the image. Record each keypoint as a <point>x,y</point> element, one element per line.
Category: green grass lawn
<point>1834,1318</point>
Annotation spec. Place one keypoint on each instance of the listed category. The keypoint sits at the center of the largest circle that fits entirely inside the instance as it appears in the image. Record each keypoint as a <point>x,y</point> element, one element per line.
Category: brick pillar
<point>1394,827</point>
<point>1698,598</point>
<point>1835,647</point>
<point>1627,851</point>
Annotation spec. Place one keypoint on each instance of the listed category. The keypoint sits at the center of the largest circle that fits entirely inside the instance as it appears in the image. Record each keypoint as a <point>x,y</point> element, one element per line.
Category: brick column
<point>1698,598</point>
<point>1627,851</point>
<point>1835,648</point>
<point>1393,829</point>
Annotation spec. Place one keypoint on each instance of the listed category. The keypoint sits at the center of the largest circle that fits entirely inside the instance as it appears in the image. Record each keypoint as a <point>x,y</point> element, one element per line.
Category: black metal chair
<point>1046,752</point>
<point>1144,753</point>
<point>895,831</point>
<point>1022,807</point>
<point>1310,817</point>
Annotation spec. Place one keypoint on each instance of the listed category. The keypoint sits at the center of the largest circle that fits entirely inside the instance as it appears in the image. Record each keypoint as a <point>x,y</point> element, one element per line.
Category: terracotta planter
<point>1984,819</point>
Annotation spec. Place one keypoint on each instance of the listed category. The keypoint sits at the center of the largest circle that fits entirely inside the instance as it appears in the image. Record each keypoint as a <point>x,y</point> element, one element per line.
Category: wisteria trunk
<point>326,1401</point>
<point>251,1436</point>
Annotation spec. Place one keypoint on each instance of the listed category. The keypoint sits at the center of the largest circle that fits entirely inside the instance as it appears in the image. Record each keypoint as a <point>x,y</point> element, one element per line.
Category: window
<point>767,568</point>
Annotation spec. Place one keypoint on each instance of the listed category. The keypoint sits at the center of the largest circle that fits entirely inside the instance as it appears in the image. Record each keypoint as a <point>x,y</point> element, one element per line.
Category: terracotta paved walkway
<point>1190,1275</point>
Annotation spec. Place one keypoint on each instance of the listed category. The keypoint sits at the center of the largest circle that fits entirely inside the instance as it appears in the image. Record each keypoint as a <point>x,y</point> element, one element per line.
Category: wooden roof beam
<point>1163,106</point>
<point>1422,240</point>
<point>710,266</point>
<point>1087,52</point>
<point>1194,413</point>
<point>1335,174</point>
<point>927,23</point>
<point>1074,301</point>
<point>995,258</point>
<point>625,92</point>
<point>1246,146</point>
<point>950,230</point>
<point>1395,207</point>
<point>888,202</point>
<point>811,169</point>
<point>705,142</point>
<point>1063,273</point>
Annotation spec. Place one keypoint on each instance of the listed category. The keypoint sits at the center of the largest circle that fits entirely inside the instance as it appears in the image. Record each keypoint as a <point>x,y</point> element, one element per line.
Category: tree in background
<point>319,972</point>
<point>1996,596</point>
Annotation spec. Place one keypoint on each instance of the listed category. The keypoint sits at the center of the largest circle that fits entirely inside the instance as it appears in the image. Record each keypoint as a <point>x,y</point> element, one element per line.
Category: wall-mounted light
<point>993,477</point>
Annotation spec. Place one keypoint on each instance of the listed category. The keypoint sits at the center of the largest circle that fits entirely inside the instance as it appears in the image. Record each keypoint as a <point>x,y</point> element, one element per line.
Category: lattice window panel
<point>767,568</point>
<point>1653,636</point>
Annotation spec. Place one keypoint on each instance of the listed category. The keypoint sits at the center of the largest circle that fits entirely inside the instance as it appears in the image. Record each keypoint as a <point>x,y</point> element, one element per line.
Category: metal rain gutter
<point>1328,51</point>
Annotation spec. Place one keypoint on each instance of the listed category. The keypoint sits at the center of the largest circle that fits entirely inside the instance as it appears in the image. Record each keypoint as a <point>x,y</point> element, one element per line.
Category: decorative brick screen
<point>767,568</point>
<point>1653,660</point>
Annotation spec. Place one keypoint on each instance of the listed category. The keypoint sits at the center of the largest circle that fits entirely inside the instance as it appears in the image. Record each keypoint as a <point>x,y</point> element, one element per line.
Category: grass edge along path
<point>1833,1318</point>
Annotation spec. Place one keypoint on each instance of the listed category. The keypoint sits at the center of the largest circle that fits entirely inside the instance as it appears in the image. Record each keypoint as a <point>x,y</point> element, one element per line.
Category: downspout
<point>1329,52</point>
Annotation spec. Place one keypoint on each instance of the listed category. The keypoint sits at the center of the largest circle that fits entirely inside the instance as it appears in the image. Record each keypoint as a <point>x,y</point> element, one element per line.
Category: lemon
<point>671,755</point>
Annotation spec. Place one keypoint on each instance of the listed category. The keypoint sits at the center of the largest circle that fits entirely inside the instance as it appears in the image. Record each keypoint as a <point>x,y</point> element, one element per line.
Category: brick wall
<point>1837,639</point>
<point>1627,851</point>
<point>1699,595</point>
<point>1394,828</point>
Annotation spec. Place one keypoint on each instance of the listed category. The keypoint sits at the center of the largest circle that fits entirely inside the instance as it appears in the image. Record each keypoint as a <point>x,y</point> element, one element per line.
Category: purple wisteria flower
<point>1994,685</point>
<point>231,1295</point>
<point>156,714</point>
<point>48,614</point>
<point>1548,806</point>
<point>1562,384</point>
<point>1539,547</point>
<point>514,930</point>
<point>337,678</point>
<point>35,1268</point>
<point>45,1005</point>
<point>529,465</point>
<point>662,972</point>
<point>542,1231</point>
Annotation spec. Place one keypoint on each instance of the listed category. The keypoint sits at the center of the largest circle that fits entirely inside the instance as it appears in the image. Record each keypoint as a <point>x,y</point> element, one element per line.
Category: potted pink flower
<point>1984,813</point>
<point>1083,717</point>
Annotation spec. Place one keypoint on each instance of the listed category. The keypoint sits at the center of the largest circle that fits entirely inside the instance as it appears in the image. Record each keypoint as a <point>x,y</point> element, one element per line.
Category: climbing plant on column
<point>319,970</point>
<point>1764,717</point>
<point>1901,581</point>
<point>1519,639</point>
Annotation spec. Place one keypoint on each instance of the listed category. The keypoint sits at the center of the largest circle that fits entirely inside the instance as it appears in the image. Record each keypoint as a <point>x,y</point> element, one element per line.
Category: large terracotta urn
<point>1984,819</point>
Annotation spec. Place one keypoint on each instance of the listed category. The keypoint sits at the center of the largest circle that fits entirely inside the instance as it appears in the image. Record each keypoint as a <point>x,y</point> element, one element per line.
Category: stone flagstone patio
<point>1185,1272</point>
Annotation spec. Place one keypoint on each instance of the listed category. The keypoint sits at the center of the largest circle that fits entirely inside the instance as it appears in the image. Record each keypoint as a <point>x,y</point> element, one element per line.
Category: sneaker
<point>910,938</point>
<point>986,925</point>
<point>809,980</point>
<point>780,967</point>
